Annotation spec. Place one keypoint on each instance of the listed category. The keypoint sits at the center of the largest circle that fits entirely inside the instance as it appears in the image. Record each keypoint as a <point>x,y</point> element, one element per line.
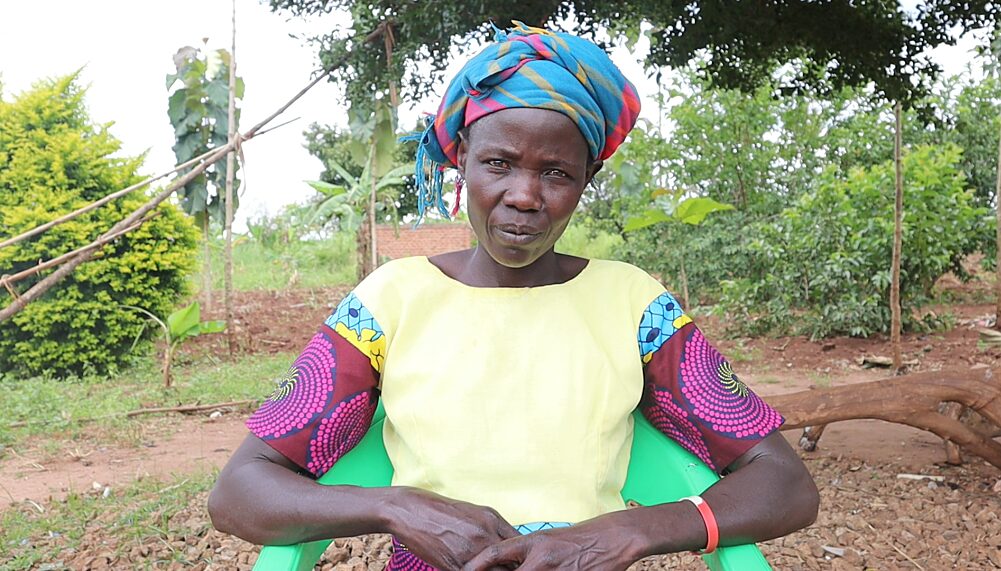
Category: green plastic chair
<point>659,471</point>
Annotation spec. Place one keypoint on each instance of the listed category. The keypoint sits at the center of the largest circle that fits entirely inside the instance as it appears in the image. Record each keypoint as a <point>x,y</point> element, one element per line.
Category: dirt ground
<point>888,499</point>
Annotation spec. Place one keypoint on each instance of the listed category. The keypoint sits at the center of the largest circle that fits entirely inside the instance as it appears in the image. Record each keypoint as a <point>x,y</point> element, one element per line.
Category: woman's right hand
<point>445,533</point>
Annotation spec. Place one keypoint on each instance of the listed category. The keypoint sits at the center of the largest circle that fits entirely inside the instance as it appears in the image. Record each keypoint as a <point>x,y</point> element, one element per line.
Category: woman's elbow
<point>806,499</point>
<point>227,517</point>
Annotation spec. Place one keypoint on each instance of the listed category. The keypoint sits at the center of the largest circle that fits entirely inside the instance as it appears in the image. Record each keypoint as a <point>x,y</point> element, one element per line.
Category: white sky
<point>125,49</point>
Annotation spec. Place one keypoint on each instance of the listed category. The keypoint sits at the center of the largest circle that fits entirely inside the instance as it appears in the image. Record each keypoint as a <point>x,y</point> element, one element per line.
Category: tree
<point>55,159</point>
<point>677,209</point>
<point>199,112</point>
<point>846,43</point>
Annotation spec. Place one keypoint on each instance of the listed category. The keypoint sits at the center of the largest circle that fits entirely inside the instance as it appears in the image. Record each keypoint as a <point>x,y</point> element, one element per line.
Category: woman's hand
<point>445,533</point>
<point>593,545</point>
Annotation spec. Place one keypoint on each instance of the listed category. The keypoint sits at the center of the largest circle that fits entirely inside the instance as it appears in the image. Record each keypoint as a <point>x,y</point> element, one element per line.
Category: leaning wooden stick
<point>20,302</point>
<point>102,201</point>
<point>13,278</point>
<point>66,269</point>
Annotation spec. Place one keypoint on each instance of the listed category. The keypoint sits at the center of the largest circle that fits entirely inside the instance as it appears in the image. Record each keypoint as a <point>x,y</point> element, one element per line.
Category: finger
<point>499,555</point>
<point>506,530</point>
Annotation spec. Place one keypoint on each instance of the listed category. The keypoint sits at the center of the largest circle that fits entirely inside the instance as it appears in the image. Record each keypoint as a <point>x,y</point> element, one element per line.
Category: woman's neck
<point>477,269</point>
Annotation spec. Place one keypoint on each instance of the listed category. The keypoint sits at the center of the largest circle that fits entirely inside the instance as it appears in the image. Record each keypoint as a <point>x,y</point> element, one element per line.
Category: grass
<point>125,519</point>
<point>305,264</point>
<point>75,408</point>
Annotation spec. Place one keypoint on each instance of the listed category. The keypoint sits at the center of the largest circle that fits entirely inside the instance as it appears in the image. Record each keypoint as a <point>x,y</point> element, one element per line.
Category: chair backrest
<point>660,471</point>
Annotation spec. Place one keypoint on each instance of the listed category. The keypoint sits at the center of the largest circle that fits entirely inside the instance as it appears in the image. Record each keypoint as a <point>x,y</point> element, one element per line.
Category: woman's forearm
<point>267,503</point>
<point>769,494</point>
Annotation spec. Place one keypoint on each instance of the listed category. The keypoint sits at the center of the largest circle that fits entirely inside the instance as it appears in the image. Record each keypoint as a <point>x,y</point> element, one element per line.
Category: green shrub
<point>583,238</point>
<point>826,258</point>
<point>54,159</point>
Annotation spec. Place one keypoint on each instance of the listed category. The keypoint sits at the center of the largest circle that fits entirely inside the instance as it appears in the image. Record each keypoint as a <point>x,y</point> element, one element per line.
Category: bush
<point>585,239</point>
<point>54,159</point>
<point>827,257</point>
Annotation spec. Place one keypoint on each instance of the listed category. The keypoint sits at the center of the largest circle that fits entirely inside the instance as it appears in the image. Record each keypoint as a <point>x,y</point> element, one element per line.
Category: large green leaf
<point>326,188</point>
<point>383,140</point>
<point>184,322</point>
<point>175,106</point>
<point>647,218</point>
<point>694,210</point>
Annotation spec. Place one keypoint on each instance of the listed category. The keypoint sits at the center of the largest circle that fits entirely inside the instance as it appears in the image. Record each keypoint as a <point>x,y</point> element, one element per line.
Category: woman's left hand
<point>585,546</point>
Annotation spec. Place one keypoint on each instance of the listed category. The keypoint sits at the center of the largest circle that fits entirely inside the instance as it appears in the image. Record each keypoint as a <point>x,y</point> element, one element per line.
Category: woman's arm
<point>769,493</point>
<point>263,498</point>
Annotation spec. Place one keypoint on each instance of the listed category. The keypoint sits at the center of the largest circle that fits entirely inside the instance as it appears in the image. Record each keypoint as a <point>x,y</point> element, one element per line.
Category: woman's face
<point>525,170</point>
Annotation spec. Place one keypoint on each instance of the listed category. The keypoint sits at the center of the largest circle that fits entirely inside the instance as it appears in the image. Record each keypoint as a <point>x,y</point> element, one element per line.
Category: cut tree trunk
<point>909,399</point>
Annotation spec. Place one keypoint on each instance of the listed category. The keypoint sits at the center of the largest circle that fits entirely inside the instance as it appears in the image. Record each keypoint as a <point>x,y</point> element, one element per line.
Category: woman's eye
<point>499,163</point>
<point>556,172</point>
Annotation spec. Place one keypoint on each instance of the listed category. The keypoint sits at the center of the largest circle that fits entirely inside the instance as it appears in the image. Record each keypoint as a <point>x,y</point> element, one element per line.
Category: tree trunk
<point>684,283</point>
<point>374,250</point>
<point>898,217</point>
<point>230,172</point>
<point>909,399</point>
<point>997,241</point>
<point>206,265</point>
<point>362,244</point>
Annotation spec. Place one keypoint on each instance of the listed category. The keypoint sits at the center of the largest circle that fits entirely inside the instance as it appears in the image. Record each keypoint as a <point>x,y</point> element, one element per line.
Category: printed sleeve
<point>323,406</point>
<point>691,392</point>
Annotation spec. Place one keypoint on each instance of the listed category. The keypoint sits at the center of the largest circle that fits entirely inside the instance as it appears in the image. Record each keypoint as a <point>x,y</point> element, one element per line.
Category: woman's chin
<point>512,257</point>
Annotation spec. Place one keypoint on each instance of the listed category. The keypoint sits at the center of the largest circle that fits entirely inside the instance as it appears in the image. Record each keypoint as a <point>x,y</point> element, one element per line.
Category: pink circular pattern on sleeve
<point>717,397</point>
<point>301,395</point>
<point>340,431</point>
<point>403,560</point>
<point>670,418</point>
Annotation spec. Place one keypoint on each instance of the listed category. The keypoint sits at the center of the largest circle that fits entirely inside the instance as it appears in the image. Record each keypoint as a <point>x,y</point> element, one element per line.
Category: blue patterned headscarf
<point>528,67</point>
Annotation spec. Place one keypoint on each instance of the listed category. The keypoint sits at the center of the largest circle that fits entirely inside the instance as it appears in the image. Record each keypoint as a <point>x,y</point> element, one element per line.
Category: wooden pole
<point>230,174</point>
<point>997,240</point>
<point>898,217</point>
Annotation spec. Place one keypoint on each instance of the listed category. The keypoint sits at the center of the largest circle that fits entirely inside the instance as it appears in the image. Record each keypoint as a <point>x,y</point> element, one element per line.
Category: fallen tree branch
<point>910,399</point>
<point>181,408</point>
<point>190,407</point>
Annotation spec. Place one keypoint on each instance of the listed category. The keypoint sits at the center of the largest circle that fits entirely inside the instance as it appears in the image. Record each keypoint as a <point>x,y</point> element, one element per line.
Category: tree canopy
<point>834,43</point>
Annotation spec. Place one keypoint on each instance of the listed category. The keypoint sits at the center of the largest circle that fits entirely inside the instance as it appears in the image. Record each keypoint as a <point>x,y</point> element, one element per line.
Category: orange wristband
<point>712,530</point>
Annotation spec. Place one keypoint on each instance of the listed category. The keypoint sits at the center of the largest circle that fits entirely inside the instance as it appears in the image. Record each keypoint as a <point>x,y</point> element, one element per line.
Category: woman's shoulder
<point>616,270</point>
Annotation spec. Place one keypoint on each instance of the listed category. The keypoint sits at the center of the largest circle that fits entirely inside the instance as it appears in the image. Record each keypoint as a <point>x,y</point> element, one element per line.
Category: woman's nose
<point>524,192</point>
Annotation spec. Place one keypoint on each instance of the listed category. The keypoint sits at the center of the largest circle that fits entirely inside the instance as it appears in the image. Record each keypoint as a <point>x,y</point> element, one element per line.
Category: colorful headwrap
<point>528,67</point>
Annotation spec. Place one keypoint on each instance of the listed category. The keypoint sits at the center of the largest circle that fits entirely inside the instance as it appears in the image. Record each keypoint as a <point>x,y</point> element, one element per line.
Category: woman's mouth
<point>516,235</point>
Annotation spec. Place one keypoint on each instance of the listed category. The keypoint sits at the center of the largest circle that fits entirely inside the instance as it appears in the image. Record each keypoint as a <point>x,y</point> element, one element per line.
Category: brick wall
<point>427,240</point>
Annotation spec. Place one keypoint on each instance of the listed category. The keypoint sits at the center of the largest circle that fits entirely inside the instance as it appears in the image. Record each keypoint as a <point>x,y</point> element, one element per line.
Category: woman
<point>508,372</point>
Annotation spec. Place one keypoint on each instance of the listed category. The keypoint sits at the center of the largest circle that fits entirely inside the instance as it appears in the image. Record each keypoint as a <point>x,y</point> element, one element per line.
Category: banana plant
<point>348,202</point>
<point>180,326</point>
<point>359,199</point>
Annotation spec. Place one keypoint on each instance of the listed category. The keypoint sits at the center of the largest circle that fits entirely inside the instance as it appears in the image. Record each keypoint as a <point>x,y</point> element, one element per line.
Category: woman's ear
<point>460,154</point>
<point>593,170</point>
